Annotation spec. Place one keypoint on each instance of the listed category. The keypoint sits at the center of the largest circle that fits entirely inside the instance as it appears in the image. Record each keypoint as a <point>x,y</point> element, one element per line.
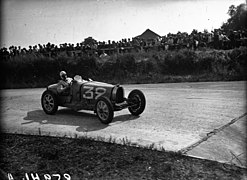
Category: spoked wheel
<point>137,102</point>
<point>49,102</point>
<point>104,110</point>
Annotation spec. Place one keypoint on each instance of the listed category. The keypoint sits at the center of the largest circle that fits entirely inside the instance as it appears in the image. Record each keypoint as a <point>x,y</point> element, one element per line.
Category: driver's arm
<point>62,86</point>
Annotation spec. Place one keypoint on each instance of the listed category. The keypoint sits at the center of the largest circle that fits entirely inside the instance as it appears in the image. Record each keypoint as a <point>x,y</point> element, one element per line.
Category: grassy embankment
<point>84,158</point>
<point>146,67</point>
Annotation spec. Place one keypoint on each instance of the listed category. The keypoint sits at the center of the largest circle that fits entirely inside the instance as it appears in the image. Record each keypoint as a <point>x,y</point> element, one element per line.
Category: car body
<point>102,98</point>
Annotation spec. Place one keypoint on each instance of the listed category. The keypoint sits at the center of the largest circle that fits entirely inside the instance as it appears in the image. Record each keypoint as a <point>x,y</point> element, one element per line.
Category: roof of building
<point>148,34</point>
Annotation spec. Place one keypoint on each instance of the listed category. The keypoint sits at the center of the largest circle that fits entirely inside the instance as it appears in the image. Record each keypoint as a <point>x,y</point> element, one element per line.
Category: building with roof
<point>148,35</point>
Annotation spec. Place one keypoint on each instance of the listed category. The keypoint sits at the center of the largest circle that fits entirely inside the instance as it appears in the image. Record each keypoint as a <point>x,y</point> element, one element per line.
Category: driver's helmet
<point>63,75</point>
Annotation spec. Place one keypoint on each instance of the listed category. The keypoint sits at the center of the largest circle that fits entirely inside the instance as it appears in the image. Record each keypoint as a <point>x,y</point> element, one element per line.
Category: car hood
<point>98,84</point>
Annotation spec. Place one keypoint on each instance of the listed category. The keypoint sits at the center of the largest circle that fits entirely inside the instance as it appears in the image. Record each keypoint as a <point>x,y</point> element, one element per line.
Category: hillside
<point>144,67</point>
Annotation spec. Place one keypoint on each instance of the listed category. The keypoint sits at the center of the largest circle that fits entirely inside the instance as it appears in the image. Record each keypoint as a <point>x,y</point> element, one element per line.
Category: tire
<point>49,102</point>
<point>104,110</point>
<point>138,98</point>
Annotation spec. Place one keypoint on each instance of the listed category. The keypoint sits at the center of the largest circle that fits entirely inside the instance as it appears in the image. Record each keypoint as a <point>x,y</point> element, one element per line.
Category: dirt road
<point>178,116</point>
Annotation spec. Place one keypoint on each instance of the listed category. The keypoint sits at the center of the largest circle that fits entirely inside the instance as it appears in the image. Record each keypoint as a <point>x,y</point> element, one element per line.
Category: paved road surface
<point>198,119</point>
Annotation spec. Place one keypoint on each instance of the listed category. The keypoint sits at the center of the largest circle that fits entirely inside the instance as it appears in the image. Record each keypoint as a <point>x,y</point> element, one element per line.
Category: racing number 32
<point>89,93</point>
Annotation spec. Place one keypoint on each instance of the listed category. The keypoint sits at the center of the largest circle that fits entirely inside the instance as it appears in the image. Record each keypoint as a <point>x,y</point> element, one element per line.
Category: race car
<point>102,98</point>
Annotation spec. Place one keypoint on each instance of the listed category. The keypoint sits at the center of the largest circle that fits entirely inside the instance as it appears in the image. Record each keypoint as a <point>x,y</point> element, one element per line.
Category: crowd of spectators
<point>216,39</point>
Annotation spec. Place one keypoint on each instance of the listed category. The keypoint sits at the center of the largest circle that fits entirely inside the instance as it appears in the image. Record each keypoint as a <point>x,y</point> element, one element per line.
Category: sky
<point>32,22</point>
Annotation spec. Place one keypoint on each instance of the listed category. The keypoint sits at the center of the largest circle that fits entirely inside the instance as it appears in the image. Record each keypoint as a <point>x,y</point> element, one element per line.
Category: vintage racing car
<point>102,98</point>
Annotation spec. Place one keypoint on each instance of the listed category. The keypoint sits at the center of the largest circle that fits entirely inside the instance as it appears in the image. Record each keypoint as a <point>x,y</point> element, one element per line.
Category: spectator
<point>217,39</point>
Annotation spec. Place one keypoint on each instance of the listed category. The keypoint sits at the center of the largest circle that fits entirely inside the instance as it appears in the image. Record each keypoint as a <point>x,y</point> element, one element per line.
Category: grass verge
<point>144,67</point>
<point>84,158</point>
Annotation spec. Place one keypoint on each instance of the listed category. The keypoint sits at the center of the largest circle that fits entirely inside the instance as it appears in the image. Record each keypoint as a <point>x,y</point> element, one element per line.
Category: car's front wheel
<point>49,102</point>
<point>104,110</point>
<point>137,102</point>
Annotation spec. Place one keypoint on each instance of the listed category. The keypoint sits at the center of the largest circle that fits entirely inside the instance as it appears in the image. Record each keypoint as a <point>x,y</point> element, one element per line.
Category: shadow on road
<point>87,121</point>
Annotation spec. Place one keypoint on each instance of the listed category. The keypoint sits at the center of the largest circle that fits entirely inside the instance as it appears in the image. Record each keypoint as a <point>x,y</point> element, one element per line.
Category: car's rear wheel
<point>49,102</point>
<point>137,102</point>
<point>104,110</point>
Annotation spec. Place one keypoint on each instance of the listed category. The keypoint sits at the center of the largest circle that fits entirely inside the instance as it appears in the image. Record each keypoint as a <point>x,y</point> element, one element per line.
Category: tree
<point>238,18</point>
<point>232,10</point>
<point>90,41</point>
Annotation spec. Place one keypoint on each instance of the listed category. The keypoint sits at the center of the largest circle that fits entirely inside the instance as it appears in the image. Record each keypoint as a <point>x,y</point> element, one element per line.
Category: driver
<point>64,83</point>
